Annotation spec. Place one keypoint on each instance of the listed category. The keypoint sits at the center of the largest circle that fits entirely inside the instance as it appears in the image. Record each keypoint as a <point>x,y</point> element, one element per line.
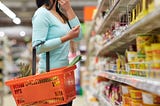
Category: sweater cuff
<point>74,22</point>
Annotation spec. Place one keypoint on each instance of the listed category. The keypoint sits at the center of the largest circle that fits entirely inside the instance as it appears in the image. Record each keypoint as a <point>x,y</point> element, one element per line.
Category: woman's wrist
<point>70,13</point>
<point>65,38</point>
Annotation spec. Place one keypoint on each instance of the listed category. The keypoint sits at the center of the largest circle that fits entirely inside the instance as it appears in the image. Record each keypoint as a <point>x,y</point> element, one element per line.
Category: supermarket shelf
<point>149,24</point>
<point>102,5</point>
<point>147,84</point>
<point>119,7</point>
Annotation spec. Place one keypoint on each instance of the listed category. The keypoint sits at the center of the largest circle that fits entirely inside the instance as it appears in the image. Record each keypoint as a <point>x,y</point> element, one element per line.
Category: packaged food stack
<point>135,97</point>
<point>145,61</point>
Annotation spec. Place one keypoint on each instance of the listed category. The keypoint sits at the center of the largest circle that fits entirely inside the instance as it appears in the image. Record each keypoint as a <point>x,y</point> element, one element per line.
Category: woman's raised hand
<point>65,4</point>
<point>73,33</point>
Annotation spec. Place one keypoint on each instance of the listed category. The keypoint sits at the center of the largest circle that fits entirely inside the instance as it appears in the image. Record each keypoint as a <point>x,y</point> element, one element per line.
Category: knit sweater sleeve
<point>40,26</point>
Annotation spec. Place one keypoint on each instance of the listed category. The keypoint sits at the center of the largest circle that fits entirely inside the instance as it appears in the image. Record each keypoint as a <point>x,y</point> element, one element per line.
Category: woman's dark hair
<point>50,6</point>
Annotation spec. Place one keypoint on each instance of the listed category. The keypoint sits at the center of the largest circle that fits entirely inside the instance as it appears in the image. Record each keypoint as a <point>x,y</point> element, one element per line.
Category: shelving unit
<point>149,24</point>
<point>150,85</point>
<point>101,6</point>
<point>119,7</point>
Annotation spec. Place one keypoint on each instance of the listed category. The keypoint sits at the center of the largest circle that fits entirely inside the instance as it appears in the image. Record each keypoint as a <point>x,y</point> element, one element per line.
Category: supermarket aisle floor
<point>79,101</point>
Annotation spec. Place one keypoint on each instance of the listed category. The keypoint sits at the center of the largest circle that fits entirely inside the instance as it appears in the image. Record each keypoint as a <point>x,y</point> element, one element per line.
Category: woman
<point>51,26</point>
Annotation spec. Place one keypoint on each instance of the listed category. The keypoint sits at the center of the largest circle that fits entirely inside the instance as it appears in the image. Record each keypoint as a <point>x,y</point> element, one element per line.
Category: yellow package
<point>148,53</point>
<point>156,55</point>
<point>131,55</point>
<point>136,94</point>
<point>142,41</point>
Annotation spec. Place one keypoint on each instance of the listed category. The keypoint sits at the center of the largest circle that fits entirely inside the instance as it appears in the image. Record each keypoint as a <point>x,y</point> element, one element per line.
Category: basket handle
<point>34,59</point>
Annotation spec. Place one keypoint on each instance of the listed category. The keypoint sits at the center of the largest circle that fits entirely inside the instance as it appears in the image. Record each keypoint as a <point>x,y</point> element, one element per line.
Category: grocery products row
<point>125,95</point>
<point>124,47</point>
<point>112,93</point>
<point>117,33</point>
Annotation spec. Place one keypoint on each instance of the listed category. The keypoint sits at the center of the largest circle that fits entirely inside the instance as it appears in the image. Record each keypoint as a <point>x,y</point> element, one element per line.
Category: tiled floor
<point>79,101</point>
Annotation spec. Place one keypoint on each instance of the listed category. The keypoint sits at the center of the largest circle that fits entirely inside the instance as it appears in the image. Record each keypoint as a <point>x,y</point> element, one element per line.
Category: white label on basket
<point>147,98</point>
<point>124,90</point>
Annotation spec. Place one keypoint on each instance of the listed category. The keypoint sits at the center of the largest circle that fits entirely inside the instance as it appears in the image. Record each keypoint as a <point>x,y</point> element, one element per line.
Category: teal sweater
<point>48,28</point>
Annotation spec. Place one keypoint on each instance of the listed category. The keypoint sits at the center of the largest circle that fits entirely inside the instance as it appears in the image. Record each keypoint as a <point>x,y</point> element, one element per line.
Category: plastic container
<point>136,94</point>
<point>48,89</point>
<point>150,99</point>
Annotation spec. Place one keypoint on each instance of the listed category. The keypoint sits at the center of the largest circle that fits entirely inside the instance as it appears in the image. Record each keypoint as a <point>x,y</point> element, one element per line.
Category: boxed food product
<point>136,94</point>
<point>131,55</point>
<point>142,41</point>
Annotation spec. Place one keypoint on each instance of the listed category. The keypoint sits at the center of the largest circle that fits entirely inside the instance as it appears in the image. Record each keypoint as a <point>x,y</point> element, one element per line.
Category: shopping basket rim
<point>40,76</point>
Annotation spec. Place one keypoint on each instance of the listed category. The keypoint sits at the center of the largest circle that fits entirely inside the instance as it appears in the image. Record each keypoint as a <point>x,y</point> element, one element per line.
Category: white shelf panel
<point>149,24</point>
<point>150,85</point>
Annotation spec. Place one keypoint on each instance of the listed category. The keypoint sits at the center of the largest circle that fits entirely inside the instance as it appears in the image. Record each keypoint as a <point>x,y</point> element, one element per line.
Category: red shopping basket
<point>48,89</point>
